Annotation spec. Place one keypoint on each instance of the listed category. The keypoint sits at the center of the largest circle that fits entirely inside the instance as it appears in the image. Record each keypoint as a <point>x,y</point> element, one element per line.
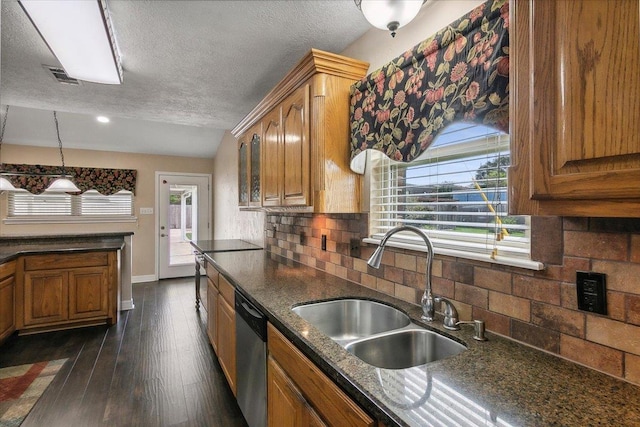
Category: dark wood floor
<point>154,368</point>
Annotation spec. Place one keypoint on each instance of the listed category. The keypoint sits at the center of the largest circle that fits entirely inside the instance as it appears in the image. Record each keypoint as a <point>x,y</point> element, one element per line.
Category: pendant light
<point>389,14</point>
<point>5,184</point>
<point>63,184</point>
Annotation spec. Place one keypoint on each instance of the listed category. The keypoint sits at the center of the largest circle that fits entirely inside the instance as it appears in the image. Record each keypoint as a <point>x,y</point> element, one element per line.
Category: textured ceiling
<point>186,64</point>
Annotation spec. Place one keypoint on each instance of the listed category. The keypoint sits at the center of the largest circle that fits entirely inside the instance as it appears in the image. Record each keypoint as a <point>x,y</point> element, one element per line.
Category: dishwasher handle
<point>248,312</point>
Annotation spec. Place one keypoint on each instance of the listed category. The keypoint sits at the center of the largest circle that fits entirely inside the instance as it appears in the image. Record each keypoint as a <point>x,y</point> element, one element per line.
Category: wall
<point>536,308</point>
<point>229,221</point>
<point>146,165</point>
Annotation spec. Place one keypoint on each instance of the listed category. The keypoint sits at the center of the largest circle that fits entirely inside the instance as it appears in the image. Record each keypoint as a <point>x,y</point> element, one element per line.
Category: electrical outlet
<point>354,248</point>
<point>592,291</point>
<point>146,211</point>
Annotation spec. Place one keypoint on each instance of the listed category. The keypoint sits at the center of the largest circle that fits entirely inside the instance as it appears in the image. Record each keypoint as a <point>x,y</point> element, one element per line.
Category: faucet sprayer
<point>428,308</point>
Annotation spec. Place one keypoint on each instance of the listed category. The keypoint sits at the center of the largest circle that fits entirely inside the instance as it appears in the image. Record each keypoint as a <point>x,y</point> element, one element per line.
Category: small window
<point>457,193</point>
<point>90,204</point>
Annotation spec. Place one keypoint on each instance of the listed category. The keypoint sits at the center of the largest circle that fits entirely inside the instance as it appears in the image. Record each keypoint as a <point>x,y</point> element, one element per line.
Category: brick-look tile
<point>633,309</point>
<point>347,262</point>
<point>465,311</point>
<point>596,356</point>
<point>472,295</point>
<point>413,279</point>
<point>536,289</point>
<point>546,239</point>
<point>567,271</point>
<point>354,276</point>
<point>331,246</point>
<point>492,279</point>
<point>388,258</point>
<point>632,368</point>
<point>558,319</point>
<point>509,305</point>
<point>393,274</point>
<point>621,336</point>
<point>609,246</point>
<point>407,294</point>
<point>385,286</point>
<point>335,258</point>
<point>622,277</point>
<point>341,272</point>
<point>368,280</point>
<point>576,224</point>
<point>635,248</point>
<point>616,305</point>
<point>569,295</point>
<point>406,262</point>
<point>360,265</point>
<point>442,287</point>
<point>493,322</point>
<point>535,336</point>
<point>366,251</point>
<point>330,268</point>
<point>458,271</point>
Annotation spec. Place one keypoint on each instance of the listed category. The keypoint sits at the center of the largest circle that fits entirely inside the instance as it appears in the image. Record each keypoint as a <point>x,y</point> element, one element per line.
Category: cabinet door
<point>272,165</point>
<point>255,188</point>
<point>285,406</point>
<point>575,107</point>
<point>45,297</point>
<point>243,171</point>
<point>227,341</point>
<point>212,303</point>
<point>7,307</point>
<point>295,136</point>
<point>88,292</point>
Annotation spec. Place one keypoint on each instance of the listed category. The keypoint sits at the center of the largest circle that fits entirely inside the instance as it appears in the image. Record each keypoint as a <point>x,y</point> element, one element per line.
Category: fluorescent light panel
<point>77,33</point>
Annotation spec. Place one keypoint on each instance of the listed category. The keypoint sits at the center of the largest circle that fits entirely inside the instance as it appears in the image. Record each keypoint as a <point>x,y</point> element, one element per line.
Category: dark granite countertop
<point>497,383</point>
<point>229,245</point>
<point>13,247</point>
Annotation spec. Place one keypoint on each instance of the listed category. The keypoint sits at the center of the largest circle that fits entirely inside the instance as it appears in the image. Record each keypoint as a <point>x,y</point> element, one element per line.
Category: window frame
<point>454,244</point>
<point>75,207</point>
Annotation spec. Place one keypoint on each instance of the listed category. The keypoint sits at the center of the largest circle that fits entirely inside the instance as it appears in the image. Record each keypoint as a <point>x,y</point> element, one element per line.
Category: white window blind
<point>456,192</point>
<point>23,204</point>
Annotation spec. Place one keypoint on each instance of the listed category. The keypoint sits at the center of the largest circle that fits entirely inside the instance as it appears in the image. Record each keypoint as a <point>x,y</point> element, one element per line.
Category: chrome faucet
<point>427,302</point>
<point>452,322</point>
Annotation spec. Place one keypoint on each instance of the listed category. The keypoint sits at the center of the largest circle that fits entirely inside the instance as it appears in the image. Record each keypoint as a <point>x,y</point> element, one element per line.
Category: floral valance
<point>36,178</point>
<point>459,74</point>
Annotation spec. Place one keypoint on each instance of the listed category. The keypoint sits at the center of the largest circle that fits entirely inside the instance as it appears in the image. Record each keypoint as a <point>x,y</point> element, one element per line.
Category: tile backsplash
<point>538,308</point>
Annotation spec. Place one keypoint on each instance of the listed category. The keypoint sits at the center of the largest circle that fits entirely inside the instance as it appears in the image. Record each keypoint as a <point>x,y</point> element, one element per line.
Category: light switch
<point>146,211</point>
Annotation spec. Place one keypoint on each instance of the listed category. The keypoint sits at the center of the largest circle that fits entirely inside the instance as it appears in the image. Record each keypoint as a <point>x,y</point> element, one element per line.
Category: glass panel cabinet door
<point>243,175</point>
<point>254,171</point>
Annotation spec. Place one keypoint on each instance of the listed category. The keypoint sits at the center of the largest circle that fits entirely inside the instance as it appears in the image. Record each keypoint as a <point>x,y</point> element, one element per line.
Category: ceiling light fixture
<point>103,119</point>
<point>5,185</point>
<point>63,184</point>
<point>80,35</point>
<point>389,14</point>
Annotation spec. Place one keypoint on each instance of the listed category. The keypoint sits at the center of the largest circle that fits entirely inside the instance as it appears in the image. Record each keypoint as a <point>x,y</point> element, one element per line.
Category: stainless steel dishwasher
<point>251,362</point>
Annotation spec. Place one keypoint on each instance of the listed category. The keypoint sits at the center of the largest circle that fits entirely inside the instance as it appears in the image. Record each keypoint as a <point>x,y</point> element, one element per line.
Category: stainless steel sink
<point>349,319</point>
<point>404,349</point>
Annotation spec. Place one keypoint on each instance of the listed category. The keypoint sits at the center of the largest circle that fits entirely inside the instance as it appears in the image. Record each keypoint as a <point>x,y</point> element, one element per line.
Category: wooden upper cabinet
<point>305,129</point>
<point>295,141</point>
<point>249,166</point>
<point>575,110</point>
<point>271,155</point>
<point>243,171</point>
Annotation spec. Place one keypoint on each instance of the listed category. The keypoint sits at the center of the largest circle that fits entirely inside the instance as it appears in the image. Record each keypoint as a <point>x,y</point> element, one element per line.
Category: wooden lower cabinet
<point>62,290</point>
<point>286,406</point>
<point>45,297</point>
<point>299,394</point>
<point>226,332</point>
<point>212,314</point>
<point>7,299</point>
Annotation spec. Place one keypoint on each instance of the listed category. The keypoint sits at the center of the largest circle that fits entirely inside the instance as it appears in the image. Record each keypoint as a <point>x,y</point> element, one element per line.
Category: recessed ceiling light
<point>103,119</point>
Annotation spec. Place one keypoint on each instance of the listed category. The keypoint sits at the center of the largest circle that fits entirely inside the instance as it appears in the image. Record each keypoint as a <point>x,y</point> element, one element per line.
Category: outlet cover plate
<point>592,291</point>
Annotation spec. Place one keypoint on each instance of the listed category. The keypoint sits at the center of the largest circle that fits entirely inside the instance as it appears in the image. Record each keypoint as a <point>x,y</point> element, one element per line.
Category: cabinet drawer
<point>227,291</point>
<point>7,269</point>
<point>325,397</point>
<point>212,274</point>
<point>57,261</point>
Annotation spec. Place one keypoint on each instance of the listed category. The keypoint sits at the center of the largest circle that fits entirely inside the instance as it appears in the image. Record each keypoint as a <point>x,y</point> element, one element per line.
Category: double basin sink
<point>378,334</point>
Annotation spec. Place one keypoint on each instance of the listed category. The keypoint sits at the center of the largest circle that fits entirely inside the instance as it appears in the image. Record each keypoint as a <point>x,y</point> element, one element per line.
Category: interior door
<point>183,215</point>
